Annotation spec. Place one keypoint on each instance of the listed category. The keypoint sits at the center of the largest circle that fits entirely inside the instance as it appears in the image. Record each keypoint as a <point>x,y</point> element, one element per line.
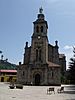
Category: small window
<point>23,73</point>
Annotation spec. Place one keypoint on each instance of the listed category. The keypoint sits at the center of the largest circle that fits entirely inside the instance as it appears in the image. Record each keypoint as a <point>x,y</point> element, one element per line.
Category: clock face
<point>39,37</point>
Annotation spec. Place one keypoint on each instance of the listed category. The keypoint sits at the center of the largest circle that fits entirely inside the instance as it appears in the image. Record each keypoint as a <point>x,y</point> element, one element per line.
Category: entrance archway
<point>2,79</point>
<point>37,79</point>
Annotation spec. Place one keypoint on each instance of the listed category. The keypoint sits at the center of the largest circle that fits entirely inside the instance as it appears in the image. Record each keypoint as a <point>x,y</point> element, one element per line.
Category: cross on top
<point>40,10</point>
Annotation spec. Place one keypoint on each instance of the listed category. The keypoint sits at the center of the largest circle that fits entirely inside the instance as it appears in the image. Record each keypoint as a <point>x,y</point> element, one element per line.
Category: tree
<point>0,51</point>
<point>72,68</point>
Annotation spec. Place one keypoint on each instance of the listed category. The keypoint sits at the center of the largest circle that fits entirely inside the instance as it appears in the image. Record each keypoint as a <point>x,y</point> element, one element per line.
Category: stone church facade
<point>41,63</point>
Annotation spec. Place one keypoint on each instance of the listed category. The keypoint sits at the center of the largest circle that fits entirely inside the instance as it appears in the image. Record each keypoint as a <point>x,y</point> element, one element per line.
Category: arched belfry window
<point>37,29</point>
<point>41,28</point>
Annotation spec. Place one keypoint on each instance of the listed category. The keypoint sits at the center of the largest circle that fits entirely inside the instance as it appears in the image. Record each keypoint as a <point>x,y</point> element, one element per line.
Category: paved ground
<point>34,93</point>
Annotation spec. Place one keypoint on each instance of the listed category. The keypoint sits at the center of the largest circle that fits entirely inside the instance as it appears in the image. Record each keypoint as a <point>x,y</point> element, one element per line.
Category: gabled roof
<point>51,64</point>
<point>50,45</point>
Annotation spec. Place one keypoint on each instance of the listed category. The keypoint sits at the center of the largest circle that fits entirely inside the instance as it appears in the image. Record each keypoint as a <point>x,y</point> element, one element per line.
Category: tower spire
<point>40,10</point>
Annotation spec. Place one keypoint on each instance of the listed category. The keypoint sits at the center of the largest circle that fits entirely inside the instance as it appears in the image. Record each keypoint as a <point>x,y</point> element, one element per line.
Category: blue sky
<point>16,25</point>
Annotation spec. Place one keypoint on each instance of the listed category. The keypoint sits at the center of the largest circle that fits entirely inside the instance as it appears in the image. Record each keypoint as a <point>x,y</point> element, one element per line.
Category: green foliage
<point>71,72</point>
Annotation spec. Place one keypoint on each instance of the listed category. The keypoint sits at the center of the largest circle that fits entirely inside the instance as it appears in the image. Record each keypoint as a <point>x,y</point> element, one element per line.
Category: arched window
<point>36,55</point>
<point>40,55</point>
<point>41,28</point>
<point>37,29</point>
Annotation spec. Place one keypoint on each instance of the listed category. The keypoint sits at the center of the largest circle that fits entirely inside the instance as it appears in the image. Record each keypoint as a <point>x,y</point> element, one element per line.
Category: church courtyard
<point>35,93</point>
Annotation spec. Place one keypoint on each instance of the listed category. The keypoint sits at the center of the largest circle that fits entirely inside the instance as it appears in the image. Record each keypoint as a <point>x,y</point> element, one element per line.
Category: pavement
<point>35,93</point>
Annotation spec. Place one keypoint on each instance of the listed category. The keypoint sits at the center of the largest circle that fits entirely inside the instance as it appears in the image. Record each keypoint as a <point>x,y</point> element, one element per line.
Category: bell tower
<point>40,25</point>
<point>39,45</point>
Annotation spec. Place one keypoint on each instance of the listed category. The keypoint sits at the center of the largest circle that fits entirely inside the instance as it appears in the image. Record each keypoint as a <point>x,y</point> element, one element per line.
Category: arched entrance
<point>37,79</point>
<point>2,79</point>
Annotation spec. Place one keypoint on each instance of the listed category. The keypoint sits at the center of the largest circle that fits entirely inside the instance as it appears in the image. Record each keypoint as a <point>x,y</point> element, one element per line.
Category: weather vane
<point>40,10</point>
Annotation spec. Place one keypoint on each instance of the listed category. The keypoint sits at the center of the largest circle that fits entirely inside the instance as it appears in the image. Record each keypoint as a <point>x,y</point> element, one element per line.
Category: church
<point>41,62</point>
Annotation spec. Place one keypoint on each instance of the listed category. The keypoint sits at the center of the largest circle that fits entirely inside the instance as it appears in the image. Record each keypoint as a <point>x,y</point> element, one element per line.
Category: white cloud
<point>68,51</point>
<point>68,56</point>
<point>67,47</point>
<point>51,1</point>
